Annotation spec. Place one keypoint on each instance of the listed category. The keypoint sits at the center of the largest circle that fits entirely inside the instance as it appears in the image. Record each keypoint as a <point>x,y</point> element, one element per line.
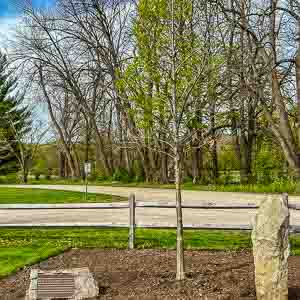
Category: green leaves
<point>147,78</point>
<point>14,117</point>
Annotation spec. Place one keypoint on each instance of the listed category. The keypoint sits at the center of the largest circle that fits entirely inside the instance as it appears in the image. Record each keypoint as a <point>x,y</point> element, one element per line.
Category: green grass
<point>278,186</point>
<point>20,248</point>
<point>29,196</point>
<point>275,187</point>
<point>15,258</point>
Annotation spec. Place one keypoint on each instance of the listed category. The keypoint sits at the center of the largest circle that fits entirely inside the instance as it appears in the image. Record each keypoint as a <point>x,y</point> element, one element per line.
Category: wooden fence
<point>131,225</point>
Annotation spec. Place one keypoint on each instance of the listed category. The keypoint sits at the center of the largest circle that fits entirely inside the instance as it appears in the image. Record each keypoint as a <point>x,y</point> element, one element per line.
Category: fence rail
<point>138,204</point>
<point>132,225</point>
<point>122,205</point>
<point>120,225</point>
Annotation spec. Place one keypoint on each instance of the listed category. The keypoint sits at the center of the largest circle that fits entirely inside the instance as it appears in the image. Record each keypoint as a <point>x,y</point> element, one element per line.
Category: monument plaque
<point>53,286</point>
<point>73,284</point>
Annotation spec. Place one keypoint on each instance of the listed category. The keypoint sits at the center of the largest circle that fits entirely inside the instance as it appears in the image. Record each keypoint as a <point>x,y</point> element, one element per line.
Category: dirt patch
<point>150,274</point>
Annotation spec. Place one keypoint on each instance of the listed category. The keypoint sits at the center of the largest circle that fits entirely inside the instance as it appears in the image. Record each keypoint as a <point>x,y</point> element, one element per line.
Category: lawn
<point>283,186</point>
<point>275,187</point>
<point>19,248</point>
<point>31,196</point>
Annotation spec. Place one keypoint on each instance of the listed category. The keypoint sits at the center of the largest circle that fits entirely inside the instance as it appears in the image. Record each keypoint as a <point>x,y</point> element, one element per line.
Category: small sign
<point>72,284</point>
<point>53,286</point>
<point>87,168</point>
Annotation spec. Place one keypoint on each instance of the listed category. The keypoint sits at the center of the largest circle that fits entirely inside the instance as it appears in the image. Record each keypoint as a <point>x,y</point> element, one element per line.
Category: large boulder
<point>271,248</point>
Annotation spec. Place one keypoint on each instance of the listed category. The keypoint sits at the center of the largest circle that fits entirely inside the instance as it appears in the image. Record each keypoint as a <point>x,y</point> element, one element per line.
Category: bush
<point>102,178</point>
<point>139,178</point>
<point>94,175</point>
<point>188,179</point>
<point>48,174</point>
<point>10,179</point>
<point>98,174</point>
<point>36,173</point>
<point>121,175</point>
<point>138,171</point>
<point>269,163</point>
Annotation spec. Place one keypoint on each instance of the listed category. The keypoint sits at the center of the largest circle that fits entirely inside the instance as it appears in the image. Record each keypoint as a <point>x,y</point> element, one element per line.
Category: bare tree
<point>268,74</point>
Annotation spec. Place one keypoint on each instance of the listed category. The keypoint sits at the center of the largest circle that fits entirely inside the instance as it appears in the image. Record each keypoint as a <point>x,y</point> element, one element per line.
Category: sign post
<point>87,172</point>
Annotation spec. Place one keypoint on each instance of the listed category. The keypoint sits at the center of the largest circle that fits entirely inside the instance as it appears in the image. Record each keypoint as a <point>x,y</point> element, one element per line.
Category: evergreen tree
<point>14,118</point>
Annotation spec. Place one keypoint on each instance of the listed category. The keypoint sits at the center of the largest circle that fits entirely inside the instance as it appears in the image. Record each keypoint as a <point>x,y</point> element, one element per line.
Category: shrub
<point>139,178</point>
<point>121,175</point>
<point>94,175</point>
<point>188,179</point>
<point>36,173</point>
<point>269,163</point>
<point>104,178</point>
<point>10,179</point>
<point>48,174</point>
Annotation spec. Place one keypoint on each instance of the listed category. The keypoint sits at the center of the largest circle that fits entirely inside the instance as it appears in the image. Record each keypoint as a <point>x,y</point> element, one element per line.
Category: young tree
<point>164,84</point>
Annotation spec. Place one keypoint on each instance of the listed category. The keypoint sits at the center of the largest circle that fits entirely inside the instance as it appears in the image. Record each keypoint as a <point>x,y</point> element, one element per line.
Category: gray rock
<point>271,248</point>
<point>84,284</point>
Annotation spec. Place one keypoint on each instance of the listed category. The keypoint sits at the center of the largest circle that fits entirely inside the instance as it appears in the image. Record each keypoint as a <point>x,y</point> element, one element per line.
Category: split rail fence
<point>132,225</point>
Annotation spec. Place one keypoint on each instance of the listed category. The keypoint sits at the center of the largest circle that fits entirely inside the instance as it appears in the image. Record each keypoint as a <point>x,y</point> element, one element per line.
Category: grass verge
<point>20,248</point>
<point>31,196</point>
<point>275,187</point>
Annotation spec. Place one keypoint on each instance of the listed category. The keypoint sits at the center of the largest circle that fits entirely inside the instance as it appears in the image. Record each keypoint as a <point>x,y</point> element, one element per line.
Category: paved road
<point>160,216</point>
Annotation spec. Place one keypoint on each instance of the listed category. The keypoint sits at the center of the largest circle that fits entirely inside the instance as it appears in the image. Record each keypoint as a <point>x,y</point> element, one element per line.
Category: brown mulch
<point>150,274</point>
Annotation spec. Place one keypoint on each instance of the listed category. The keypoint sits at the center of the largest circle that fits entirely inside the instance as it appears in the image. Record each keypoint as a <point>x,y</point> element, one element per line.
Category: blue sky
<point>11,8</point>
<point>10,12</point>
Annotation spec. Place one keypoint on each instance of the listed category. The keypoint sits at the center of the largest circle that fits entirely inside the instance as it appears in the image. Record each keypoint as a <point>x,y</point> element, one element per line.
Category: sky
<point>10,12</point>
<point>10,15</point>
<point>9,8</point>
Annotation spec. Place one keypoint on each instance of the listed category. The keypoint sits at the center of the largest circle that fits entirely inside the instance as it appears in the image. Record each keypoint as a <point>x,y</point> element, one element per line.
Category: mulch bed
<point>150,274</point>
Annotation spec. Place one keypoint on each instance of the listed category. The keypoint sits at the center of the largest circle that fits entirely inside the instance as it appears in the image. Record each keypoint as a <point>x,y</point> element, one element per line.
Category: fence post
<point>131,241</point>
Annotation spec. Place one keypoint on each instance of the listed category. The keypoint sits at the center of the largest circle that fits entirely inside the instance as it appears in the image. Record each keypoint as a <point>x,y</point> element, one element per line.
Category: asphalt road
<point>161,216</point>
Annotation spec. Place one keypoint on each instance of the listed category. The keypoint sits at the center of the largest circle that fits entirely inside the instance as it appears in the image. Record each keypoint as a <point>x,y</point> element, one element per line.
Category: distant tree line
<point>143,83</point>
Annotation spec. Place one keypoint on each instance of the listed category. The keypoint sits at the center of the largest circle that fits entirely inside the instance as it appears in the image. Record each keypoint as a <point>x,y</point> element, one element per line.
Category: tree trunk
<point>164,168</point>
<point>244,167</point>
<point>197,164</point>
<point>128,161</point>
<point>247,146</point>
<point>180,274</point>
<point>106,164</point>
<point>243,138</point>
<point>214,150</point>
<point>87,139</point>
<point>76,162</point>
<point>298,93</point>
<point>214,153</point>
<point>147,166</point>
<point>58,128</point>
<point>24,175</point>
<point>62,162</point>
